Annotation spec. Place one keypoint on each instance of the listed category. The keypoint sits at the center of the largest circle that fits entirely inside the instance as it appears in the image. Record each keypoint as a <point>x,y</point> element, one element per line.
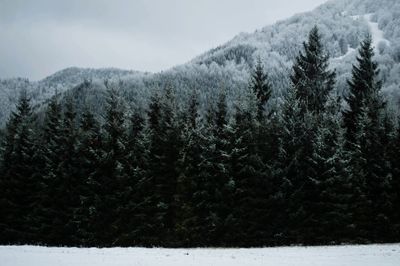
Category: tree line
<point>317,168</point>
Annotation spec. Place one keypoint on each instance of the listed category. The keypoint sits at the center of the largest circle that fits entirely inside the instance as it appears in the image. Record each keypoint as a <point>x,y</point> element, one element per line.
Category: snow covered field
<point>372,255</point>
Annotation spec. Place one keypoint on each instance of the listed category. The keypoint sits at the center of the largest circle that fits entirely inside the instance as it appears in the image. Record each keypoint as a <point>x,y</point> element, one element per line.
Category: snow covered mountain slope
<point>342,23</point>
<point>382,255</point>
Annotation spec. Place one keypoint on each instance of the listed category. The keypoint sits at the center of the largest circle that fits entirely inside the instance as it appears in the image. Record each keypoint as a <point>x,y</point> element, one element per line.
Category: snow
<point>350,50</point>
<point>367,255</point>
<point>376,33</point>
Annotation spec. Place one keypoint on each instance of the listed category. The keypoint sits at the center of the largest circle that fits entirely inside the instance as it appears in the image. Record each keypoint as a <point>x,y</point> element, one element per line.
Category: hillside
<point>343,24</point>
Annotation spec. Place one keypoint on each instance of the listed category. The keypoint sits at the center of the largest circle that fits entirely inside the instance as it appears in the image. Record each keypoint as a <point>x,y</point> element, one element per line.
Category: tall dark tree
<point>20,188</point>
<point>52,214</point>
<point>68,170</point>
<point>329,209</point>
<point>364,118</point>
<point>299,130</point>
<point>215,191</point>
<point>111,172</point>
<point>163,158</point>
<point>364,87</point>
<point>89,155</point>
<point>311,77</point>
<point>395,155</point>
<point>188,220</point>
<point>251,212</point>
<point>261,88</point>
<point>131,213</point>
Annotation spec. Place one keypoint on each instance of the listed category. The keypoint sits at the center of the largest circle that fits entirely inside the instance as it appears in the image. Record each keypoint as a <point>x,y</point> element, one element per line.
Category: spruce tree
<point>261,88</point>
<point>331,214</point>
<point>364,117</point>
<point>395,184</point>
<point>68,170</point>
<point>298,134</point>
<point>214,196</point>
<point>89,155</point>
<point>20,188</point>
<point>51,153</point>
<point>188,221</point>
<point>224,185</point>
<point>130,219</point>
<point>311,77</point>
<point>163,158</point>
<point>111,174</point>
<point>362,87</point>
<point>251,214</point>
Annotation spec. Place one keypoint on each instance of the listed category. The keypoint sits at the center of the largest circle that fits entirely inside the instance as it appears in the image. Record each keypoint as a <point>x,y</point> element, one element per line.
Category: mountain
<point>343,24</point>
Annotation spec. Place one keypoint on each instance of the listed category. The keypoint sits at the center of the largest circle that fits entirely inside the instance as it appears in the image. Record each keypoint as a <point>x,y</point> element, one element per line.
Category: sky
<point>40,37</point>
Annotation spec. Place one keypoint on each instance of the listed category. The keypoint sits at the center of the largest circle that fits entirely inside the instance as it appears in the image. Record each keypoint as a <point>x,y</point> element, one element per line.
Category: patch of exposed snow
<point>376,34</point>
<point>350,50</point>
<point>368,255</point>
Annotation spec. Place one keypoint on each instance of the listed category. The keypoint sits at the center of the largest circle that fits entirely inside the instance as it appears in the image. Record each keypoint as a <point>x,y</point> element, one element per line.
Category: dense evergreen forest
<point>318,168</point>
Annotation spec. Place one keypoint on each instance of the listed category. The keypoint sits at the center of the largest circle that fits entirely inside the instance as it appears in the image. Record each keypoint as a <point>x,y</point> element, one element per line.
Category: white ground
<point>349,52</point>
<point>372,255</point>
<point>376,33</point>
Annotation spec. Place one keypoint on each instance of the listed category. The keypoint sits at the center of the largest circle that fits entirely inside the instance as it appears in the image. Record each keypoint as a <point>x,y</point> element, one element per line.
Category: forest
<point>317,168</point>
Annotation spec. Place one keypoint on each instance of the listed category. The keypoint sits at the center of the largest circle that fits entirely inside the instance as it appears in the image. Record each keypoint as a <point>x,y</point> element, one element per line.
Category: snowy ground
<point>372,255</point>
<point>376,34</point>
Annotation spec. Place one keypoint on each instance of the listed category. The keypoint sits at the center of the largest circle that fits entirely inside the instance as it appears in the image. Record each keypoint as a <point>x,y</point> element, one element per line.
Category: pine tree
<point>395,184</point>
<point>311,78</point>
<point>163,158</point>
<point>51,153</point>
<point>261,88</point>
<point>214,195</point>
<point>111,172</point>
<point>360,208</point>
<point>130,210</point>
<point>362,87</point>
<point>251,214</point>
<point>331,174</point>
<point>68,170</point>
<point>224,185</point>
<point>298,134</point>
<point>20,189</point>
<point>89,155</point>
<point>364,117</point>
<point>188,221</point>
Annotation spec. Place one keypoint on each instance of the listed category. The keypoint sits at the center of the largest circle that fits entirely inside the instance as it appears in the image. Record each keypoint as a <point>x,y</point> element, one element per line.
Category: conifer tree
<point>311,77</point>
<point>364,117</point>
<point>188,222</point>
<point>395,184</point>
<point>20,189</point>
<point>51,153</point>
<point>111,172</point>
<point>216,187</point>
<point>298,134</point>
<point>330,207</point>
<point>252,190</point>
<point>261,88</point>
<point>68,171</point>
<point>89,154</point>
<point>364,87</point>
<point>163,159</point>
<point>130,219</point>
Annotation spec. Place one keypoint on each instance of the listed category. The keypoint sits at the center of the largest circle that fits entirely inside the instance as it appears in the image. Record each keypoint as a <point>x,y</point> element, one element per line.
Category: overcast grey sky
<point>40,37</point>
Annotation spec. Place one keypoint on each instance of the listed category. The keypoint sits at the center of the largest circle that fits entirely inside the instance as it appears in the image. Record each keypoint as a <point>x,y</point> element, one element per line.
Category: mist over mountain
<point>342,23</point>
